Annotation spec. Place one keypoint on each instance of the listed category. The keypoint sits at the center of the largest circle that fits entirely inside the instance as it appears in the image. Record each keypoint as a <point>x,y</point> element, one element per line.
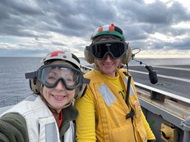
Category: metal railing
<point>160,95</point>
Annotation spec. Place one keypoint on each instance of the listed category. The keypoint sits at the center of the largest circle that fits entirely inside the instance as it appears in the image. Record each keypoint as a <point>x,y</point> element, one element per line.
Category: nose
<point>108,57</point>
<point>60,86</point>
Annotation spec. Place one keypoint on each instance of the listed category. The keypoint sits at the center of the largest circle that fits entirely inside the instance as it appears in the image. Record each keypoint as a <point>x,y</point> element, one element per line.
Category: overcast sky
<point>36,27</point>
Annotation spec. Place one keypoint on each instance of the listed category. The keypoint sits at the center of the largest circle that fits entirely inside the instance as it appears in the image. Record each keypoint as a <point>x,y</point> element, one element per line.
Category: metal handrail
<point>167,94</point>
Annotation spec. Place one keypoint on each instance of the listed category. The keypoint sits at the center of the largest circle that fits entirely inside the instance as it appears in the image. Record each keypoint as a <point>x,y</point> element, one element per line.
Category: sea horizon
<point>137,61</point>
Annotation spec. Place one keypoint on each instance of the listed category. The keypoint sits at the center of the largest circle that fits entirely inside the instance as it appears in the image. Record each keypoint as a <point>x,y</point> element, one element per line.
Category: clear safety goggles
<point>50,75</point>
<point>101,49</point>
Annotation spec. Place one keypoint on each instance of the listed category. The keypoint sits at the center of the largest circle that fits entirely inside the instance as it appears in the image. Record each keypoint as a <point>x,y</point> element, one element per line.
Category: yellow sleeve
<point>85,122</point>
<point>148,129</point>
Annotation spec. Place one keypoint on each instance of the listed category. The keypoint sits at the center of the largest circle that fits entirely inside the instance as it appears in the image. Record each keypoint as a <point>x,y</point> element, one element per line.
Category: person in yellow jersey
<point>110,110</point>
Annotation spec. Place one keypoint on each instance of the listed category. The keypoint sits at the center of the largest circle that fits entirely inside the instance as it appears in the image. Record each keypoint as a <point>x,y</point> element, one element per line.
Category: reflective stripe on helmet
<point>62,55</point>
<point>108,30</point>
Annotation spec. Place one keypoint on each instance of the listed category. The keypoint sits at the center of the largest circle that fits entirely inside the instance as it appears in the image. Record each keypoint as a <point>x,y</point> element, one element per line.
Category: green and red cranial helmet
<point>108,30</point>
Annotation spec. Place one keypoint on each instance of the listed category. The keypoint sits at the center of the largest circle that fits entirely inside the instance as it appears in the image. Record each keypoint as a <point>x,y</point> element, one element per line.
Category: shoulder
<point>93,75</point>
<point>30,110</point>
<point>90,73</point>
<point>123,70</point>
<point>70,113</point>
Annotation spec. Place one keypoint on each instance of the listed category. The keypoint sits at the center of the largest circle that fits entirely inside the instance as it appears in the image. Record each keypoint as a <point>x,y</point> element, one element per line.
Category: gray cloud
<point>35,20</point>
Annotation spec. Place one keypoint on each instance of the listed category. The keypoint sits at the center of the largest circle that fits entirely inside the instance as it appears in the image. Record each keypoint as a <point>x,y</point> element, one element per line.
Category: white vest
<point>41,124</point>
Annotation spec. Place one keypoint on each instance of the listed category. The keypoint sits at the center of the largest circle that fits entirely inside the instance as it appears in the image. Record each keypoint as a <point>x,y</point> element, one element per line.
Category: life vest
<point>41,124</point>
<point>111,111</point>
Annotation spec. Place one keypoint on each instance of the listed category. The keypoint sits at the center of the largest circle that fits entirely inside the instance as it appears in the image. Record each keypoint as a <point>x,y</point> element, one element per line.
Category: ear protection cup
<point>128,56</point>
<point>88,56</point>
<point>80,91</point>
<point>35,85</point>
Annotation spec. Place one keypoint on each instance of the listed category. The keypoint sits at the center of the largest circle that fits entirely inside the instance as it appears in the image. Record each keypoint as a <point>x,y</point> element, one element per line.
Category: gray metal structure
<point>167,113</point>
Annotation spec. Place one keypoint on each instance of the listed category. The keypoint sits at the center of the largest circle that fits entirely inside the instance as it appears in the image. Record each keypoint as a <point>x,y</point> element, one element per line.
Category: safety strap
<point>132,113</point>
<point>128,90</point>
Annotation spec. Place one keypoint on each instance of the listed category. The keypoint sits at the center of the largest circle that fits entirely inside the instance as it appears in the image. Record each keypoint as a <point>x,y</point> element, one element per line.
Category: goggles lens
<point>100,49</point>
<point>50,75</point>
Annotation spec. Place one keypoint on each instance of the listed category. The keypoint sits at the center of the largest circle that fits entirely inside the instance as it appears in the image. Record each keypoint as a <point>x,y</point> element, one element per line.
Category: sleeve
<point>85,122</point>
<point>149,132</point>
<point>13,128</point>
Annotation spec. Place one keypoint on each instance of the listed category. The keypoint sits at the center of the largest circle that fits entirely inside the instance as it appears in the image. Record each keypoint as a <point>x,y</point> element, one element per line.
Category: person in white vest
<point>48,114</point>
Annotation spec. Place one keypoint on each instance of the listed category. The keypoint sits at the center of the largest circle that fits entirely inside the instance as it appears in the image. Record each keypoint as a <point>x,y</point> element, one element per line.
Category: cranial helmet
<point>108,30</point>
<point>66,56</point>
<point>62,55</point>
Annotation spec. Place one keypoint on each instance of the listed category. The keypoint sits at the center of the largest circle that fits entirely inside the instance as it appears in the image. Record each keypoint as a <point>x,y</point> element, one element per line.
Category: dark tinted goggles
<point>50,75</point>
<point>115,48</point>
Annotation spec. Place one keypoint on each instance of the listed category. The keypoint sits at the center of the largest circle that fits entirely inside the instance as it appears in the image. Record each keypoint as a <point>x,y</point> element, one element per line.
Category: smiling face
<point>59,96</point>
<point>108,65</point>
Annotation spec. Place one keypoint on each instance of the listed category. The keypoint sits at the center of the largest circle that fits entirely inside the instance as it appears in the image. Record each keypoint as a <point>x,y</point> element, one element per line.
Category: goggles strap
<point>31,75</point>
<point>85,80</point>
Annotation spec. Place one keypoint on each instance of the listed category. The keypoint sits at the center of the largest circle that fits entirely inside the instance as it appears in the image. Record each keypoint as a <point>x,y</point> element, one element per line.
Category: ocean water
<point>14,87</point>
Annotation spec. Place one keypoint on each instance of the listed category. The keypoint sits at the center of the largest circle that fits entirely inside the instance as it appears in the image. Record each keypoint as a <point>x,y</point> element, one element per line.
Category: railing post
<point>186,128</point>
